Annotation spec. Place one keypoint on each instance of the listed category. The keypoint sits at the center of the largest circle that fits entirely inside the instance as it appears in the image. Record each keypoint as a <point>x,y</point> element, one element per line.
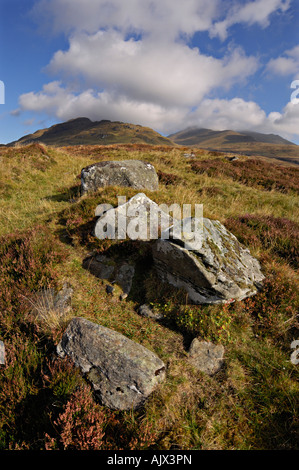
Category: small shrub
<point>275,308</point>
<point>80,425</point>
<point>278,235</point>
<point>167,178</point>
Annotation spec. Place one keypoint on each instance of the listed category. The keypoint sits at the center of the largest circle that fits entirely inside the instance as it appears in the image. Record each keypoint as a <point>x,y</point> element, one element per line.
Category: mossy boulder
<point>219,270</point>
<point>123,373</point>
<point>129,173</point>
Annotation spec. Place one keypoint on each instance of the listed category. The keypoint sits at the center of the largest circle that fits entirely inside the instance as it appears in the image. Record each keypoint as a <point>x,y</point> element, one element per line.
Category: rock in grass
<point>123,372</point>
<point>133,173</point>
<point>146,311</point>
<point>103,267</point>
<point>219,271</point>
<point>206,356</point>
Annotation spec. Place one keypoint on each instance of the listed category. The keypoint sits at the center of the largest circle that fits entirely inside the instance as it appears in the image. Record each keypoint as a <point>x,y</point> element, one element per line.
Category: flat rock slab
<point>123,373</point>
<point>133,173</point>
<point>220,270</point>
<point>206,356</point>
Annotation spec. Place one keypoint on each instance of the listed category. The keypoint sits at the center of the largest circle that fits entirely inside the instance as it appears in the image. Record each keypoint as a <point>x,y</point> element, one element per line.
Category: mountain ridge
<point>83,131</point>
<point>198,135</point>
<point>248,143</point>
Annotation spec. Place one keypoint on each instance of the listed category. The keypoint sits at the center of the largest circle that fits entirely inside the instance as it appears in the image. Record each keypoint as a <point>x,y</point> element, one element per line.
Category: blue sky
<point>166,64</point>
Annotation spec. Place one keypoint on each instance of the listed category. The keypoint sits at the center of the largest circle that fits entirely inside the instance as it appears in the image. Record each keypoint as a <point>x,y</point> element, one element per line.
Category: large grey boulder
<point>219,270</point>
<point>138,219</point>
<point>133,173</point>
<point>205,356</point>
<point>123,373</point>
<point>198,255</point>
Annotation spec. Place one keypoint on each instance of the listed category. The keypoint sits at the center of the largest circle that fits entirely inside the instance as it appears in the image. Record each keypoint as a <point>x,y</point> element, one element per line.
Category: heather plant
<point>84,424</point>
<point>275,308</point>
<point>251,172</point>
<point>279,236</point>
<point>81,424</point>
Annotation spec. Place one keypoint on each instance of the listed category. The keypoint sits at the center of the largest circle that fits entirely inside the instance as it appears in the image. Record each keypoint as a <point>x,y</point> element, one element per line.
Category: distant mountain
<point>196,136</point>
<point>243,142</point>
<point>83,131</point>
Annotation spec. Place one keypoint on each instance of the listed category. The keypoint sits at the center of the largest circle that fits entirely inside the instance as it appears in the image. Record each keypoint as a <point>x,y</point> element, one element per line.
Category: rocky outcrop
<point>123,373</point>
<point>217,270</point>
<point>139,218</point>
<point>103,267</point>
<point>198,255</point>
<point>133,173</point>
<point>206,356</point>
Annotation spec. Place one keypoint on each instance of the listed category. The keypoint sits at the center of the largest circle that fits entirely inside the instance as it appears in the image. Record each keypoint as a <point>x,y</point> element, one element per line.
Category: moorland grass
<point>46,232</point>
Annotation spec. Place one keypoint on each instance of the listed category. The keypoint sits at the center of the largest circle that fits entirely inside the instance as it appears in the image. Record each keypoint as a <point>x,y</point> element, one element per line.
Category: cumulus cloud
<point>169,73</point>
<point>134,61</point>
<point>56,100</point>
<point>167,17</point>
<point>287,64</point>
<point>257,11</point>
<point>217,114</point>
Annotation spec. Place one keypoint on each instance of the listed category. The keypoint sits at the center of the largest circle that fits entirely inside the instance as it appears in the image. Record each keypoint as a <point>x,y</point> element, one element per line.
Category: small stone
<point>109,289</point>
<point>145,311</point>
<point>120,273</point>
<point>206,356</point>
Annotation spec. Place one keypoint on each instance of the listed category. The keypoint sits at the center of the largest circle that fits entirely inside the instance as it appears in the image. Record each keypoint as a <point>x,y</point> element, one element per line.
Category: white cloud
<point>65,104</point>
<point>286,123</point>
<point>221,114</point>
<point>162,73</point>
<point>238,114</point>
<point>148,16</point>
<point>257,11</point>
<point>151,78</point>
<point>217,114</point>
<point>132,61</point>
<point>287,64</point>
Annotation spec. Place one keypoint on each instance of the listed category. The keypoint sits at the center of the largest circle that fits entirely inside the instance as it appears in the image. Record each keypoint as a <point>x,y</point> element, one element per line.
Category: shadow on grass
<point>70,195</point>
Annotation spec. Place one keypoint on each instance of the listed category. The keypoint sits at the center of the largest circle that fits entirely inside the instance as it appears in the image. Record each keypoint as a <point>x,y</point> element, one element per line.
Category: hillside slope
<point>245,143</point>
<point>83,131</point>
<point>46,234</point>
